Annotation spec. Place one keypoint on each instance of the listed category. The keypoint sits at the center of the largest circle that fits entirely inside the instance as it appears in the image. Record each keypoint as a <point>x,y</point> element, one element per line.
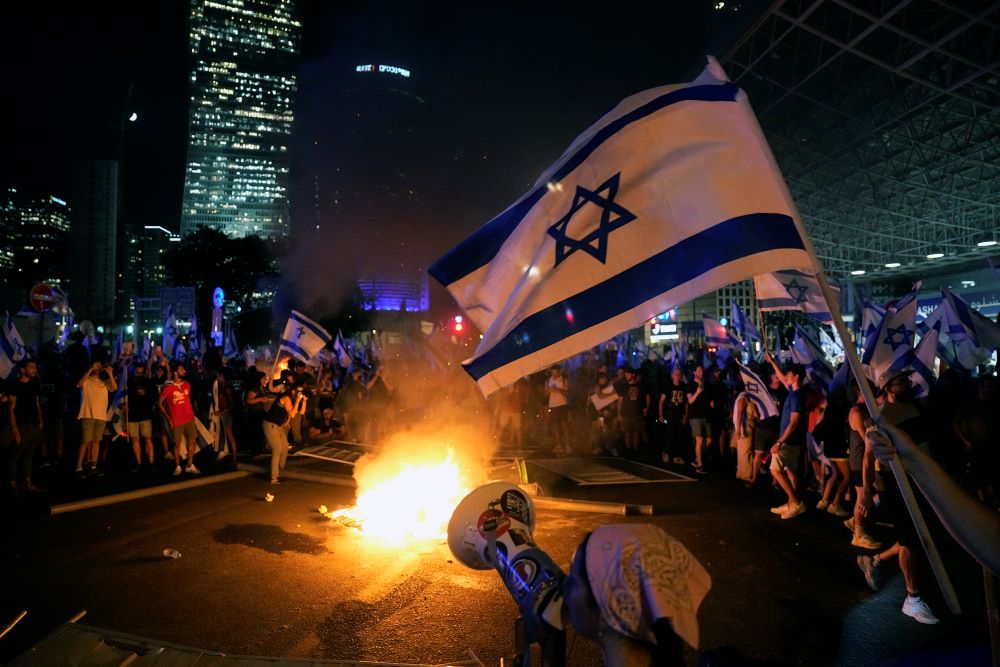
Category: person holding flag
<point>786,452</point>
<point>175,404</point>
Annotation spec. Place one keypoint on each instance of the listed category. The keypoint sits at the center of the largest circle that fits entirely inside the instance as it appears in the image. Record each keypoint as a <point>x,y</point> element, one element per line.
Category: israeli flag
<point>340,347</point>
<point>672,194</point>
<point>744,325</point>
<point>11,348</point>
<point>922,362</point>
<point>871,319</point>
<point>757,393</point>
<point>967,337</point>
<point>809,353</point>
<point>303,338</point>
<point>793,290</point>
<point>717,334</point>
<point>231,350</point>
<point>116,351</point>
<point>193,341</point>
<point>116,400</point>
<point>890,347</point>
<point>170,333</point>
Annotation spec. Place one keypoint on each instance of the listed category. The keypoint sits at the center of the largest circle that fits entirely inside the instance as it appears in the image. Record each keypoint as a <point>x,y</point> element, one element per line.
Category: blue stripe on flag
<point>312,326</point>
<point>295,349</point>
<point>681,263</point>
<point>480,248</point>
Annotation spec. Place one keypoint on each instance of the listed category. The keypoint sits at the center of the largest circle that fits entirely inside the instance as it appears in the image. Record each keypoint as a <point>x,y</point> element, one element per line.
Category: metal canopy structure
<point>884,116</point>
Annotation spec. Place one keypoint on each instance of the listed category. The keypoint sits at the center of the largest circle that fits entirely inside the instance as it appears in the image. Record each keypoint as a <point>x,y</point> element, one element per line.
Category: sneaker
<point>794,511</point>
<point>849,524</point>
<point>918,610</point>
<point>80,473</point>
<point>870,568</point>
<point>192,470</point>
<point>838,510</point>
<point>780,509</point>
<point>700,470</point>
<point>822,505</point>
<point>177,471</point>
<point>865,541</point>
<point>221,455</point>
<point>169,456</point>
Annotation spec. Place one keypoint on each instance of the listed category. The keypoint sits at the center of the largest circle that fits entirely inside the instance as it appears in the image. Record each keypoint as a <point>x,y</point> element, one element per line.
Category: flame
<point>406,496</point>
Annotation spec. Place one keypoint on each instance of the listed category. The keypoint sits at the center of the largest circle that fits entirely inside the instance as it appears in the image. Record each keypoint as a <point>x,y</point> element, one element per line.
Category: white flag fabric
<point>11,348</point>
<point>891,346</point>
<point>806,351</point>
<point>304,338</point>
<point>757,393</point>
<point>717,334</point>
<point>967,337</point>
<point>871,319</point>
<point>922,362</point>
<point>793,290</point>
<point>170,333</point>
<point>340,347</point>
<point>744,325</point>
<point>672,194</point>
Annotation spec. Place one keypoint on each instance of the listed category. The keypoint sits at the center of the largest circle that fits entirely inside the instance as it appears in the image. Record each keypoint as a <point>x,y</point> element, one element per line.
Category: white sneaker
<point>918,610</point>
<point>793,511</point>
<point>838,510</point>
<point>169,456</point>
<point>177,471</point>
<point>849,524</point>
<point>191,470</point>
<point>822,505</point>
<point>865,541</point>
<point>780,509</point>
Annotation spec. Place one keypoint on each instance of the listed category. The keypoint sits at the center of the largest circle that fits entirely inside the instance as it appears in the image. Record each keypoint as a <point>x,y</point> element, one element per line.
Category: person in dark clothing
<point>26,424</point>
<point>140,407</point>
<point>673,412</point>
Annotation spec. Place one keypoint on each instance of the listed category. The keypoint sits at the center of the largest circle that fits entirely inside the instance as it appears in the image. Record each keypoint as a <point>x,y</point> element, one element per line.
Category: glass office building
<point>243,85</point>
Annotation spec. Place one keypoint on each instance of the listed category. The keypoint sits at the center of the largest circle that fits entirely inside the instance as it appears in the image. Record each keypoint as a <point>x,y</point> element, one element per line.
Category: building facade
<point>242,91</point>
<point>94,235</point>
<point>35,233</point>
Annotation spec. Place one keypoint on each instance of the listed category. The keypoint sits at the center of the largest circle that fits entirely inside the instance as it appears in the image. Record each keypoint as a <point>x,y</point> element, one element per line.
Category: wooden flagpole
<point>937,565</point>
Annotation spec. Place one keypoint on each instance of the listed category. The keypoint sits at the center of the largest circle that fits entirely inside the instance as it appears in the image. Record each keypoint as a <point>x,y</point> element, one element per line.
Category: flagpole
<point>937,565</point>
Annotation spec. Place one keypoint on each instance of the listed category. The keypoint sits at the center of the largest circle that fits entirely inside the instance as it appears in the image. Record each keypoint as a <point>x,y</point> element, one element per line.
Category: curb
<point>320,478</point>
<point>100,501</point>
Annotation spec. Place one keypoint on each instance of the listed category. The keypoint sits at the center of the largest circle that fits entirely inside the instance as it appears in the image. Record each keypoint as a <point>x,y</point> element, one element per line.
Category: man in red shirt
<point>175,404</point>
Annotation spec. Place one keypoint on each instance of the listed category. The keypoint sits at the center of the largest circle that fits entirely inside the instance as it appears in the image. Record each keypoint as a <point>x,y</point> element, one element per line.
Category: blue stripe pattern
<point>733,239</point>
<point>320,333</point>
<point>479,249</point>
<point>296,350</point>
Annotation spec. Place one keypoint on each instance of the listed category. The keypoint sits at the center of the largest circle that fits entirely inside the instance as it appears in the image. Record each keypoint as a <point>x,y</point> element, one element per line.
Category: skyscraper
<point>94,239</point>
<point>34,232</point>
<point>243,87</point>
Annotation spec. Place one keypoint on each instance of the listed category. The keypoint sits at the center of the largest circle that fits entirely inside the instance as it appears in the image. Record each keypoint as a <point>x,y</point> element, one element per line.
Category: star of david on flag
<point>793,290</point>
<point>889,346</point>
<point>566,245</point>
<point>672,194</point>
<point>757,393</point>
<point>303,338</point>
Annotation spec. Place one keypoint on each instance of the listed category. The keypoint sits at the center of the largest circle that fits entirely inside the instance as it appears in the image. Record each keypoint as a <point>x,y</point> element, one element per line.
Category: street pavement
<point>278,579</point>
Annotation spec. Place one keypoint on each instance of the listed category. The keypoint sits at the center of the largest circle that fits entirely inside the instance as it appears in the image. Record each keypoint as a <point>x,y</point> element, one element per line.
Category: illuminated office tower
<point>243,85</point>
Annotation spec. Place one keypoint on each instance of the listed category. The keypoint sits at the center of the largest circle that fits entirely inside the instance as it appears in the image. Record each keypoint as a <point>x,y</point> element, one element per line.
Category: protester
<point>277,422</point>
<point>95,385</point>
<point>862,470</point>
<point>786,452</point>
<point>175,405</point>
<point>140,405</point>
<point>557,392</point>
<point>26,425</point>
<point>673,412</point>
<point>699,415</point>
<point>633,405</point>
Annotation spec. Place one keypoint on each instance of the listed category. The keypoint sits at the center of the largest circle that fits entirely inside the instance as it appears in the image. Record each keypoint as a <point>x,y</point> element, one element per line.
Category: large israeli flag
<point>672,194</point>
<point>793,290</point>
<point>302,337</point>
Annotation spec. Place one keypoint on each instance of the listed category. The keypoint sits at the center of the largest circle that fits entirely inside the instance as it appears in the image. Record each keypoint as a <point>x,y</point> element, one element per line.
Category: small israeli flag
<point>717,334</point>
<point>793,290</point>
<point>757,392</point>
<point>809,353</point>
<point>744,325</point>
<point>922,362</point>
<point>303,338</point>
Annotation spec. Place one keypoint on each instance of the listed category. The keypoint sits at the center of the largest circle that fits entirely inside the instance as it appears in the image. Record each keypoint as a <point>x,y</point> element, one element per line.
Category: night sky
<point>507,88</point>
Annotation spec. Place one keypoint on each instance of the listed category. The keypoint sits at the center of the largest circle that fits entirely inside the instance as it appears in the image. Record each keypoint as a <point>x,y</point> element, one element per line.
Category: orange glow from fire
<point>407,493</point>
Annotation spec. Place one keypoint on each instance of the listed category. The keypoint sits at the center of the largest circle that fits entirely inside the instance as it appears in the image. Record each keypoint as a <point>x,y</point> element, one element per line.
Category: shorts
<point>891,502</point>
<point>787,458</point>
<point>226,420</point>
<point>559,414</point>
<point>763,439</point>
<point>511,419</point>
<point>632,424</point>
<point>141,429</point>
<point>93,429</point>
<point>186,432</point>
<point>700,428</point>
<point>814,448</point>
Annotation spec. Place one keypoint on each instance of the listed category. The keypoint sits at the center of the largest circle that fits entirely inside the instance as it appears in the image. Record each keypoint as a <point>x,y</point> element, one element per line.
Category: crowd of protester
<point>813,453</point>
<point>65,409</point>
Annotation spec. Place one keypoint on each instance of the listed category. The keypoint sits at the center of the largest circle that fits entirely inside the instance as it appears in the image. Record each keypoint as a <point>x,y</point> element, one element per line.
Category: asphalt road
<point>278,579</point>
